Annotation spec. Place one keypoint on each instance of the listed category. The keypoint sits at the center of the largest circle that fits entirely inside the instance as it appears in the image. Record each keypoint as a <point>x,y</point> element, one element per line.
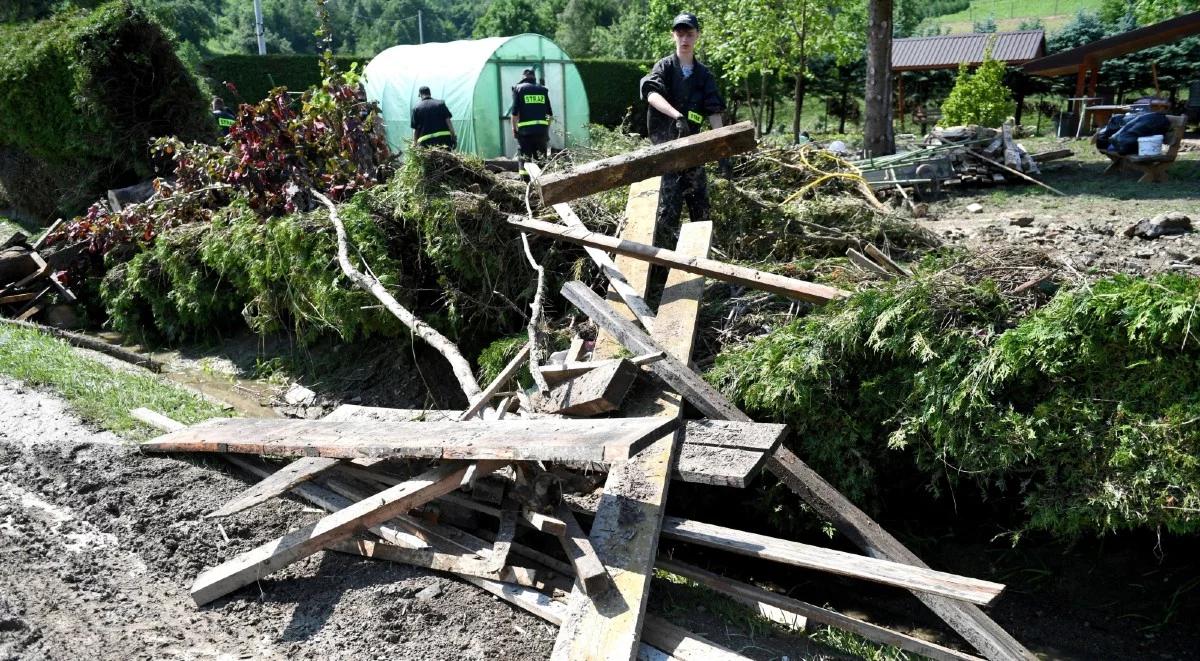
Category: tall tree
<point>878,133</point>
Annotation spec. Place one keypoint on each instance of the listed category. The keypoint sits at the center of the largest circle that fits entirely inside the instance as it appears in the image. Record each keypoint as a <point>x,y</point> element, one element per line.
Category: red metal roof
<point>947,51</point>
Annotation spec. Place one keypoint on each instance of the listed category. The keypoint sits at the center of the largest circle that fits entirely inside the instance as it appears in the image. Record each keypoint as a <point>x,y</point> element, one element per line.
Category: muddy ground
<point>100,544</point>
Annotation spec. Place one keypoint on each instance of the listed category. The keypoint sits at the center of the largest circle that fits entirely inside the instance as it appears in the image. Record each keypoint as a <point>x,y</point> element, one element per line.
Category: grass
<point>10,226</point>
<point>1009,14</point>
<point>99,393</point>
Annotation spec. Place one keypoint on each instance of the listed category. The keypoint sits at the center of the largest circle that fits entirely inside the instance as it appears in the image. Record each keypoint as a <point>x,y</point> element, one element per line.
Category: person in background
<point>431,123</point>
<point>681,93</point>
<point>221,115</point>
<point>530,116</point>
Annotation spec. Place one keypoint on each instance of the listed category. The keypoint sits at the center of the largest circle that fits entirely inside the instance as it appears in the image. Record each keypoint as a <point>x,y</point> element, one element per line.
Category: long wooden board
<point>267,558</point>
<point>280,482</point>
<point>734,273</point>
<point>545,439</point>
<point>758,597</point>
<point>837,562</point>
<point>967,619</point>
<point>628,519</point>
<point>646,162</point>
<point>641,219</point>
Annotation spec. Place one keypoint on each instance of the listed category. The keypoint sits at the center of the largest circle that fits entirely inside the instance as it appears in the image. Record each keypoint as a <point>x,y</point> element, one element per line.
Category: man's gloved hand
<point>682,129</point>
<point>454,142</point>
<point>725,168</point>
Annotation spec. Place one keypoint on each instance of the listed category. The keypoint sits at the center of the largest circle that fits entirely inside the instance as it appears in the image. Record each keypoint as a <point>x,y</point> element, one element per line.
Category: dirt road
<point>100,544</point>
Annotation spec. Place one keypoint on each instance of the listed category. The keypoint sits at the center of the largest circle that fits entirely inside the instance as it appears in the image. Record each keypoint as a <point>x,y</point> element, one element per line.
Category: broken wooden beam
<point>860,260</point>
<point>887,262</point>
<point>280,482</point>
<point>431,559</point>
<point>674,372</point>
<point>590,575</point>
<point>652,161</point>
<point>759,598</point>
<point>272,556</point>
<point>733,273</point>
<point>544,439</point>
<point>828,560</point>
<point>625,530</point>
<point>597,391</point>
<point>508,372</point>
<point>967,619</point>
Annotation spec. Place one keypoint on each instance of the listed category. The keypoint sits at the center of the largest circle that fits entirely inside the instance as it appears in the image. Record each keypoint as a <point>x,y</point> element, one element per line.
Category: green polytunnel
<point>475,79</point>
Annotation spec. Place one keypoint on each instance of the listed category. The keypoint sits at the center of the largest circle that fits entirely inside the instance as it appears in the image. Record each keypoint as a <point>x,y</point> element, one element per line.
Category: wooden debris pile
<point>958,155</point>
<point>413,486</point>
<point>29,281</point>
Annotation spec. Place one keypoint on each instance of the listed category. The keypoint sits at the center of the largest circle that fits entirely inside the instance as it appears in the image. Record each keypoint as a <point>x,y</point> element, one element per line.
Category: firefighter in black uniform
<point>221,115</point>
<point>682,93</point>
<point>431,123</point>
<point>531,116</point>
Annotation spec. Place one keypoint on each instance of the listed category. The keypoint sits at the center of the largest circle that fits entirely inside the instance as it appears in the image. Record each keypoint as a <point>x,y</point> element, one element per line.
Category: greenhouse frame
<point>475,79</point>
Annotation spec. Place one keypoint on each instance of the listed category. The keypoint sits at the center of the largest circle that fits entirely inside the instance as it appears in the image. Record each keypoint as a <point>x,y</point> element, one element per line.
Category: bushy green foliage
<point>1085,411</point>
<point>75,94</point>
<point>254,76</point>
<point>612,87</point>
<point>979,96</point>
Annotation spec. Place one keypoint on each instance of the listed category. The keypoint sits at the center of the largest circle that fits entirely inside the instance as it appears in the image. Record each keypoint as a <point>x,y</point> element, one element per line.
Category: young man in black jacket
<point>682,93</point>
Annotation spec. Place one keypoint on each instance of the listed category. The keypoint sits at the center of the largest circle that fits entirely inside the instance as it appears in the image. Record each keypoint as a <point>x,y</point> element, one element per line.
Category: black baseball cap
<point>528,72</point>
<point>687,19</point>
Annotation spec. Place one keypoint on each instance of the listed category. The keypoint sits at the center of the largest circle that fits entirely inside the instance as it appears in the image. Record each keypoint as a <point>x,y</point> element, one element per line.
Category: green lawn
<point>9,226</point>
<point>1009,14</point>
<point>99,393</point>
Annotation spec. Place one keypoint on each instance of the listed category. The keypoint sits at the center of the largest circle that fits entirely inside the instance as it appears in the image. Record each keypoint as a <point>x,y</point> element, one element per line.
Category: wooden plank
<point>616,280</point>
<point>590,575</point>
<point>734,434</point>
<point>683,644</point>
<point>967,619</point>
<point>671,370</point>
<point>759,598</point>
<point>256,563</point>
<point>280,482</point>
<point>541,522</point>
<point>597,391</point>
<point>651,161</point>
<point>641,219</point>
<point>510,439</point>
<point>836,562</point>
<point>887,262</point>
<point>510,370</point>
<point>718,466</point>
<point>734,273</point>
<point>18,298</point>
<point>431,559</point>
<point>625,531</point>
<point>155,419</point>
<point>345,412</point>
<point>860,260</point>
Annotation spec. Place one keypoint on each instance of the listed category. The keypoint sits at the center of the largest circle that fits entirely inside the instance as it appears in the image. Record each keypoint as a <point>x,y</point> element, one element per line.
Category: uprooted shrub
<point>1085,411</point>
<point>82,94</point>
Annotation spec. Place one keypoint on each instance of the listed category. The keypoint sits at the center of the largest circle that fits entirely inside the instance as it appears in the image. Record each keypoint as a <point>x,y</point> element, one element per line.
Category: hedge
<point>612,88</point>
<point>255,75</point>
<point>611,84</point>
<point>81,96</point>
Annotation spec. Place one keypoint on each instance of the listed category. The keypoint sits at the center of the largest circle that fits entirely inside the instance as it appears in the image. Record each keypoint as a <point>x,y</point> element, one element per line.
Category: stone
<point>1164,224</point>
<point>298,394</point>
<point>974,207</point>
<point>429,593</point>
<point>1021,219</point>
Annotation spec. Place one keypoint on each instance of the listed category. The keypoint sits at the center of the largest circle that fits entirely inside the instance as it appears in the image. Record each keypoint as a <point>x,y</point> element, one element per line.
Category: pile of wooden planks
<point>28,282</point>
<point>495,494</point>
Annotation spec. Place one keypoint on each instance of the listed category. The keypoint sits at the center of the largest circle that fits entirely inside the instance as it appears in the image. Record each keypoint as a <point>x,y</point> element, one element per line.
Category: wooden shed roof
<point>947,51</point>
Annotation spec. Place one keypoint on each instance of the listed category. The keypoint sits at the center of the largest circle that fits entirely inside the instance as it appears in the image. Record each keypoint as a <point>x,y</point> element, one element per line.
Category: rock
<point>974,207</point>
<point>430,592</point>
<point>298,394</point>
<point>1164,224</point>
<point>1021,219</point>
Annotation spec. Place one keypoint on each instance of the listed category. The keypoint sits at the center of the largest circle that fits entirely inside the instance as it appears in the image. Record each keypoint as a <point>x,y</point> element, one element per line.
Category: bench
<point>1153,168</point>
